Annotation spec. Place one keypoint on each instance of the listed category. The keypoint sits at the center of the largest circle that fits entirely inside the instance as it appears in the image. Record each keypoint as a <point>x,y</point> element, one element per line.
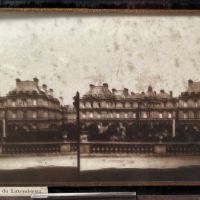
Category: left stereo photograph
<point>38,145</point>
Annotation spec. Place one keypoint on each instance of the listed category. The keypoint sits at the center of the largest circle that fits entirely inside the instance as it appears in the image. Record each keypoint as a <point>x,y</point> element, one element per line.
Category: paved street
<point>61,169</point>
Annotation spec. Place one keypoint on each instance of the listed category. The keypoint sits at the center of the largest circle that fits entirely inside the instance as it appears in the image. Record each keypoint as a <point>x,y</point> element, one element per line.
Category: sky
<point>68,52</point>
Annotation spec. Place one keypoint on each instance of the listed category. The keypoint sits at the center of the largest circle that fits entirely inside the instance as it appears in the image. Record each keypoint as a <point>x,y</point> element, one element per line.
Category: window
<point>34,115</point>
<point>169,115</point>
<point>99,116</point>
<point>111,115</point>
<point>160,115</point>
<point>14,115</point>
<point>24,103</point>
<point>125,115</point>
<point>13,103</point>
<point>184,115</point>
<point>82,105</point>
<point>144,115</point>
<point>185,104</point>
<point>34,102</point>
<point>83,115</point>
<point>88,104</point>
<point>91,115</point>
<point>117,115</point>
<point>134,115</point>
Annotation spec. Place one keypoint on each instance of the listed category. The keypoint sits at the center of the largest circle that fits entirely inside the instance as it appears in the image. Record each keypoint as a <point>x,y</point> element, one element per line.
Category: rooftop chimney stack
<point>61,99</point>
<point>18,81</point>
<point>36,81</point>
<point>114,90</point>
<point>105,85</point>
<point>125,91</point>
<point>44,87</point>
<point>162,91</point>
<point>91,86</point>
<point>51,91</point>
<point>190,83</point>
<point>150,88</point>
<point>171,93</point>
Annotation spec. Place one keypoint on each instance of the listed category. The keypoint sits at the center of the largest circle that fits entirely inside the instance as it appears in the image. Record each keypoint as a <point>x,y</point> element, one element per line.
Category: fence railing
<point>92,148</point>
<point>140,148</point>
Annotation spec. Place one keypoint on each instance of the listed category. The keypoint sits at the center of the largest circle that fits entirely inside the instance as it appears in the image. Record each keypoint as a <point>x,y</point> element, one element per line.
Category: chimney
<point>114,90</point>
<point>162,91</point>
<point>44,87</point>
<point>105,85</point>
<point>190,82</point>
<point>91,86</point>
<point>132,93</point>
<point>142,93</point>
<point>171,93</point>
<point>61,99</point>
<point>51,91</point>
<point>150,89</point>
<point>18,81</point>
<point>125,91</point>
<point>36,81</point>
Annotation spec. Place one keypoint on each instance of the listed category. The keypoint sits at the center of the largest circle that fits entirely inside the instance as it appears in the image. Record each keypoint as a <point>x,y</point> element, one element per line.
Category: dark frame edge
<point>106,11</point>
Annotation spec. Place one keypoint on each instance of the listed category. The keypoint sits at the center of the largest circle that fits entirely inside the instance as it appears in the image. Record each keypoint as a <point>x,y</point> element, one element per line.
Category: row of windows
<point>125,105</point>
<point>31,115</point>
<point>144,115</point>
<point>29,102</point>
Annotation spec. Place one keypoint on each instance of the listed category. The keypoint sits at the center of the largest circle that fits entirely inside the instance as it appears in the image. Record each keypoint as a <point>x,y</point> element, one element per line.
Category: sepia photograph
<point>99,99</point>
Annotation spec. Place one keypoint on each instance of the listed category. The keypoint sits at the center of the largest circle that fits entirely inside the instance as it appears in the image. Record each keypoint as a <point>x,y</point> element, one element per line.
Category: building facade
<point>30,111</point>
<point>146,114</point>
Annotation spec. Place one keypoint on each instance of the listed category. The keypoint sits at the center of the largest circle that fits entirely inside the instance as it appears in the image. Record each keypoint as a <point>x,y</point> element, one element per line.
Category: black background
<point>102,4</point>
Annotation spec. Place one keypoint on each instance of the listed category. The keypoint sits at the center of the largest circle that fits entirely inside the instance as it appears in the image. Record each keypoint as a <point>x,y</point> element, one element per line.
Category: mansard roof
<point>29,87</point>
<point>103,91</point>
<point>99,92</point>
<point>192,89</point>
<point>193,86</point>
